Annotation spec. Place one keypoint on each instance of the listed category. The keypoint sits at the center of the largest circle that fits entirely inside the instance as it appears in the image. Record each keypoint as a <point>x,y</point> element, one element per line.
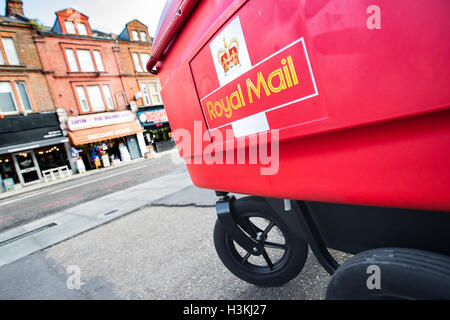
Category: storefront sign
<point>31,146</point>
<point>153,117</point>
<point>105,133</point>
<point>109,134</point>
<point>99,120</point>
<point>21,131</point>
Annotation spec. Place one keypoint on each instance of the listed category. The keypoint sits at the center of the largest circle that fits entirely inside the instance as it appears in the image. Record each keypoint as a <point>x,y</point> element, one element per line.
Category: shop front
<point>30,146</point>
<point>104,140</point>
<point>157,131</point>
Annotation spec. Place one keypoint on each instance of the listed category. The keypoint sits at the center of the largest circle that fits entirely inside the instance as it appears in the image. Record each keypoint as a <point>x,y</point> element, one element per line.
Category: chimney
<point>14,7</point>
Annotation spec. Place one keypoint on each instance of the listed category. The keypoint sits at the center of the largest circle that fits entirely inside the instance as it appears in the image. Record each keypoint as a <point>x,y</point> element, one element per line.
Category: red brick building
<point>83,69</point>
<point>74,60</point>
<point>135,50</point>
<point>94,83</point>
<point>143,88</point>
<point>31,140</point>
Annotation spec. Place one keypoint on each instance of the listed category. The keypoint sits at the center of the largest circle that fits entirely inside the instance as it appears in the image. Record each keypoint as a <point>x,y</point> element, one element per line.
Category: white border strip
<point>288,103</point>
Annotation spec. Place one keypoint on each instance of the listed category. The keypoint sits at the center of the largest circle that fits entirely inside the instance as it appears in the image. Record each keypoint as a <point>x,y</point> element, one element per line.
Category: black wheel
<point>284,254</point>
<point>403,274</point>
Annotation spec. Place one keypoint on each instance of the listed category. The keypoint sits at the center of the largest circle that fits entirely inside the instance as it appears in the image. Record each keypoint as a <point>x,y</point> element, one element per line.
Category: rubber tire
<point>296,258</point>
<point>406,274</point>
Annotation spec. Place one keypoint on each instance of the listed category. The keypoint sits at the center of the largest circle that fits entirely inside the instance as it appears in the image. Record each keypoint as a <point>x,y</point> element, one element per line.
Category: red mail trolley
<point>334,117</point>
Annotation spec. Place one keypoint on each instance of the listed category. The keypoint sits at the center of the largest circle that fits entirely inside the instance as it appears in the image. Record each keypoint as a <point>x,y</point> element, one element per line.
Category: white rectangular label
<point>251,125</point>
<point>230,54</point>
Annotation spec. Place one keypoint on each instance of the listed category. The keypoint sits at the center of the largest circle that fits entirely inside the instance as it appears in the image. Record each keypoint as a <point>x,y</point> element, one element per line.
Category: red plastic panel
<point>375,132</point>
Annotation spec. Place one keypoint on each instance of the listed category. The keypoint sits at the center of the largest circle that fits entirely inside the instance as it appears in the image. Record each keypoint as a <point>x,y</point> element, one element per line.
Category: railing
<point>57,173</point>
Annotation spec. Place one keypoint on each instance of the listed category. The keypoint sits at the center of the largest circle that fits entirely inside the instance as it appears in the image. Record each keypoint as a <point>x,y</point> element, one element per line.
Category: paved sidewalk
<point>38,186</point>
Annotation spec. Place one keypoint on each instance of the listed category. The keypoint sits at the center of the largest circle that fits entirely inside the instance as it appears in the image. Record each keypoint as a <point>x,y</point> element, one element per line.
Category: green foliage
<point>36,24</point>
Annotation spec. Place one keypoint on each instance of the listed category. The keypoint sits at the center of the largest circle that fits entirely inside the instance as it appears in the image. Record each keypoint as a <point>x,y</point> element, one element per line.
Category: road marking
<point>95,181</point>
<point>68,188</point>
<point>21,198</point>
<point>115,184</point>
<point>160,170</point>
<point>61,202</point>
<point>7,219</point>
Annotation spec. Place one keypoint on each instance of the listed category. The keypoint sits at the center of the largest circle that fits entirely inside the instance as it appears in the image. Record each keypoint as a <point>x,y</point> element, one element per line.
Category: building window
<point>86,61</point>
<point>140,61</point>
<point>135,35</point>
<point>83,59</point>
<point>98,61</point>
<point>121,98</point>
<point>95,98</point>
<point>143,36</point>
<point>9,97</point>
<point>78,28</point>
<point>145,57</point>
<point>73,65</point>
<point>8,102</point>
<point>155,89</point>
<point>82,29</point>
<point>137,62</point>
<point>11,56</point>
<point>70,27</point>
<point>108,97</point>
<point>151,93</point>
<point>24,97</point>
<point>139,36</point>
<point>145,94</point>
<point>82,98</point>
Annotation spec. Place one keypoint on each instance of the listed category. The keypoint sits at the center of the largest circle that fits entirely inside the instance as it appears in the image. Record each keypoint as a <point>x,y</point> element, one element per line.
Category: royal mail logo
<point>280,80</point>
<point>229,53</point>
<point>229,56</point>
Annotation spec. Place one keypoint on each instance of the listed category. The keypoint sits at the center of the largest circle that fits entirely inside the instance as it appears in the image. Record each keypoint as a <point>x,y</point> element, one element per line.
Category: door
<point>27,167</point>
<point>133,147</point>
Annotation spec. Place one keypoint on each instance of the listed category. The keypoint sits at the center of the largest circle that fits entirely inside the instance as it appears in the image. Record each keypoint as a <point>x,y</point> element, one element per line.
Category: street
<point>159,248</point>
<point>44,202</point>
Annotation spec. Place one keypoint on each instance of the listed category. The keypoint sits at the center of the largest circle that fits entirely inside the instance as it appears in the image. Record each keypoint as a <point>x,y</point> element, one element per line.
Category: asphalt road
<point>40,203</point>
<point>163,251</point>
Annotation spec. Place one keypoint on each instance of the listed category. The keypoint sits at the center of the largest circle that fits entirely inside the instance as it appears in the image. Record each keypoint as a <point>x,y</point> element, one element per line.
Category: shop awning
<point>104,133</point>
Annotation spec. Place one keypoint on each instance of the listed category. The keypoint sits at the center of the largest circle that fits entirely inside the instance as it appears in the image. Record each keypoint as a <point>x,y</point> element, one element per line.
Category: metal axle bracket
<point>223,208</point>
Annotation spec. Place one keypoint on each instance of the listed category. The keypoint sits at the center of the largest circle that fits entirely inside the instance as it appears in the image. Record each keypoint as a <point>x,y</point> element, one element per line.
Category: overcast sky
<point>109,16</point>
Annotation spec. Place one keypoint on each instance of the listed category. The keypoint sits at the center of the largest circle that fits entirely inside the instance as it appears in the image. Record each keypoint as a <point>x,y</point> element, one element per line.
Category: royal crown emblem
<point>229,56</point>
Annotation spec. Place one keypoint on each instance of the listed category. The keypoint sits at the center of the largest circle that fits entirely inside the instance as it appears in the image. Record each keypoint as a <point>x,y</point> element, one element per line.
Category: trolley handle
<point>163,42</point>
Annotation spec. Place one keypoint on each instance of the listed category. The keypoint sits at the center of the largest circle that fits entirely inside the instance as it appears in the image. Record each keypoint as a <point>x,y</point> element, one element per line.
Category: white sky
<point>105,15</point>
